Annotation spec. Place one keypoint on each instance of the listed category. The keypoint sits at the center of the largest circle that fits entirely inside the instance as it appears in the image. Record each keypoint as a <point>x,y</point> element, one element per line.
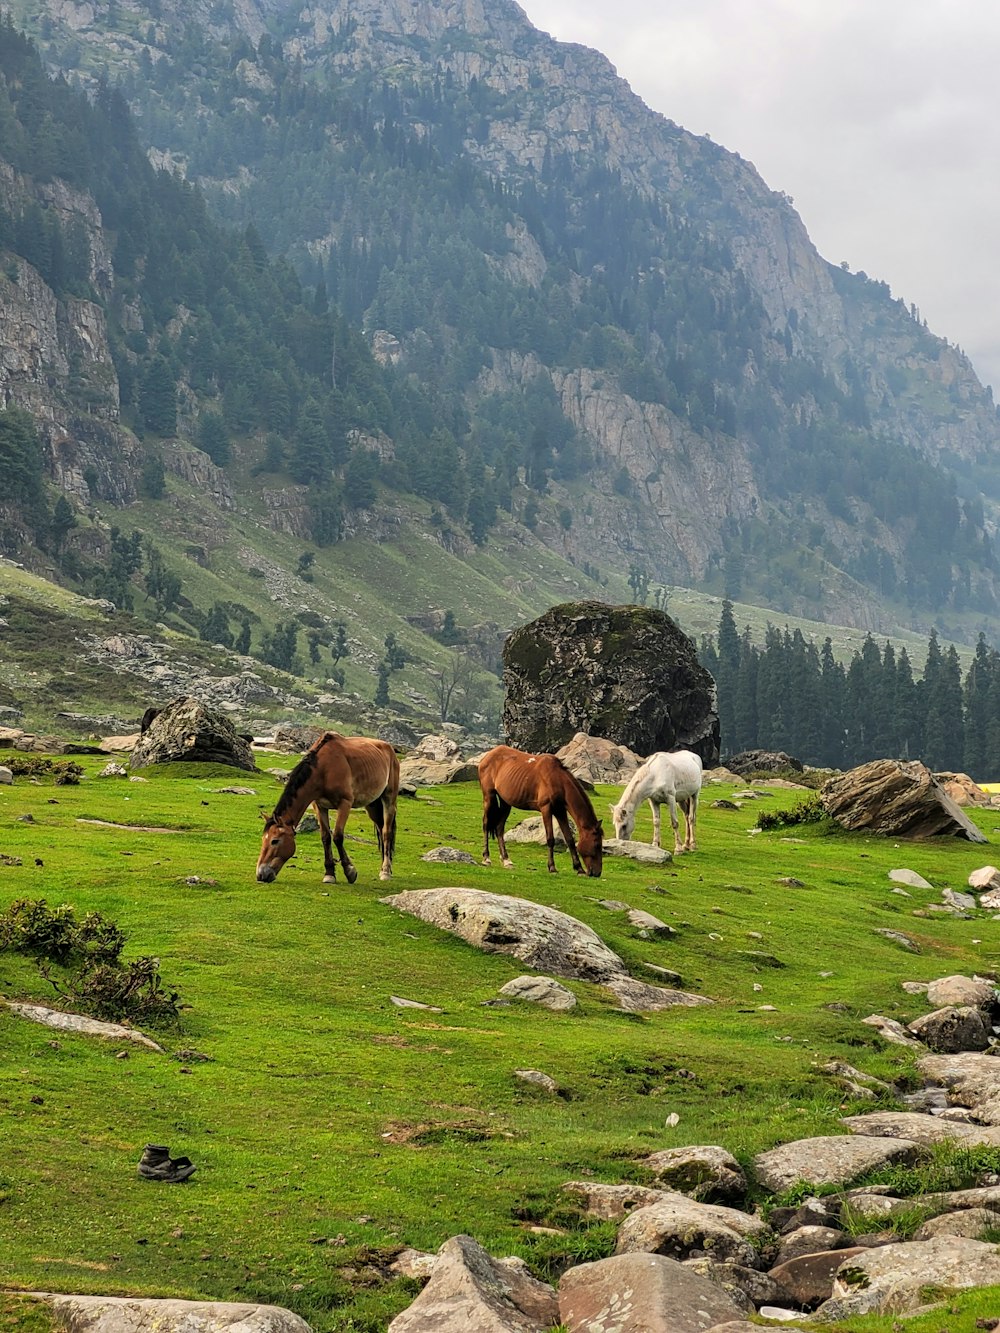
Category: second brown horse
<point>341,773</point>
<point>511,778</point>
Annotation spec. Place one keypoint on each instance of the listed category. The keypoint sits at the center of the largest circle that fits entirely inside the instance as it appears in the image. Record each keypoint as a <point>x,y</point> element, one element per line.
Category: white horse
<point>673,778</point>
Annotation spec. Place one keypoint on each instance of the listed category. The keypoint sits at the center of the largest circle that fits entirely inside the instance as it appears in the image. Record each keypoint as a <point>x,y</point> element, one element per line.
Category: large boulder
<point>648,1292</point>
<point>186,730</point>
<point>897,799</point>
<point>749,762</point>
<point>132,1314</point>
<point>627,673</point>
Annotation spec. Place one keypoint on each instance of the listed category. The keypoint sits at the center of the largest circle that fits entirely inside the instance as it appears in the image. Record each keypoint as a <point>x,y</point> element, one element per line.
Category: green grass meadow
<point>330,1127</point>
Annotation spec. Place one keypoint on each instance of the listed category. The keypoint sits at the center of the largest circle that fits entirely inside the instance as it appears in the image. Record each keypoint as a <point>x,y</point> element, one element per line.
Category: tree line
<point>788,694</point>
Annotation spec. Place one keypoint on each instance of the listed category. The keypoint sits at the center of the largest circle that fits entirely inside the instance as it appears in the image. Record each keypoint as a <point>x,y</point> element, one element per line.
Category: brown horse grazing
<point>539,782</point>
<point>339,773</point>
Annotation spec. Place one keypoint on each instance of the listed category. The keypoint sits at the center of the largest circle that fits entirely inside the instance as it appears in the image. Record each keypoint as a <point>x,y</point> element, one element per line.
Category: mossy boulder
<point>625,673</point>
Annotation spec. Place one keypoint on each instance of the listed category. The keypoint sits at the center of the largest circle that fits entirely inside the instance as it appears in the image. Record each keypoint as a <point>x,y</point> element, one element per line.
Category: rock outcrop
<point>898,799</point>
<point>626,673</point>
<point>186,730</point>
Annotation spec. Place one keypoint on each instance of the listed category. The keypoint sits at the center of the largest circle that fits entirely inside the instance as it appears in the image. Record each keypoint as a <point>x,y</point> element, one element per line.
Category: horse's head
<point>624,821</point>
<point>277,845</point>
<point>590,845</point>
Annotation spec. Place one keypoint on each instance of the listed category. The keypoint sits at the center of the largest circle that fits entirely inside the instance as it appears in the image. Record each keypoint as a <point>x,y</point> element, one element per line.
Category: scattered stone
<point>806,1280</point>
<point>967,1222</point>
<point>449,856</point>
<point>810,1240</point>
<point>90,1027</point>
<point>648,925</point>
<point>113,770</point>
<point>962,902</point>
<point>723,804</point>
<point>960,1028</point>
<point>613,905</point>
<point>747,1287</point>
<point>984,879</point>
<point>643,852</point>
<point>889,1029</point>
<point>546,991</point>
<point>760,958</point>
<point>666,974</point>
<point>236,791</point>
<point>537,1079</point>
<point>637,997</point>
<point>400,1003</point>
<point>843,1070</point>
<point>417,1264</point>
<point>898,937</point>
<point>6,776</point>
<point>909,877</point>
<point>920,1128</point>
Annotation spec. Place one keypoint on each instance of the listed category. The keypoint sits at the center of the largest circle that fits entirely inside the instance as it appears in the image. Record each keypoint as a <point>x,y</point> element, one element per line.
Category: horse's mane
<point>301,774</point>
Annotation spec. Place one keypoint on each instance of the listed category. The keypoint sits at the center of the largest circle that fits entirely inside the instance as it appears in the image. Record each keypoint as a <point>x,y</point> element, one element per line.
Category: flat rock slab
<point>647,1292</point>
<point>969,1222</point>
<point>807,1279</point>
<point>959,990</point>
<point>543,937</point>
<point>125,1314</point>
<point>638,997</point>
<point>644,852</point>
<point>894,1278</point>
<point>828,1160</point>
<point>89,1027</point>
<point>896,799</point>
<point>923,1129</point>
<point>471,1292</point>
<point>676,1225</point>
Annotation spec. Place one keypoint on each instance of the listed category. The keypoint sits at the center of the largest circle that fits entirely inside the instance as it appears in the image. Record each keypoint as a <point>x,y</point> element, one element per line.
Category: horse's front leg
<point>343,810</point>
<point>566,830</point>
<point>329,864</point>
<point>505,860</point>
<point>655,808</point>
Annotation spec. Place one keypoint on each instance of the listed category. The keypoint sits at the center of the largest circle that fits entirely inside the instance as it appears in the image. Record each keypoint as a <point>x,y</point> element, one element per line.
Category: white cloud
<point>879,119</point>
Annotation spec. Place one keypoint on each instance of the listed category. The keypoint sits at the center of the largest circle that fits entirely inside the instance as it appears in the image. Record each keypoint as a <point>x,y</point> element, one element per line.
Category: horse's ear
<point>613,809</point>
<point>600,828</point>
<point>263,814</point>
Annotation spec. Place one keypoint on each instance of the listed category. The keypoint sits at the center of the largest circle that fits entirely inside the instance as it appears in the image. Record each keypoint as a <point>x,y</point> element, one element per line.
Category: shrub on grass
<point>808,811</point>
<point>89,951</point>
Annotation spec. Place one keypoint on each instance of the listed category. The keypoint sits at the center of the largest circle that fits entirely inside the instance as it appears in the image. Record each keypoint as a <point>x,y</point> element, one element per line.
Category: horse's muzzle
<point>266,874</point>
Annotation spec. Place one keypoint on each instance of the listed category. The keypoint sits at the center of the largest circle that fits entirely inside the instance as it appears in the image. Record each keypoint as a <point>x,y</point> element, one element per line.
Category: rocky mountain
<point>586,331</point>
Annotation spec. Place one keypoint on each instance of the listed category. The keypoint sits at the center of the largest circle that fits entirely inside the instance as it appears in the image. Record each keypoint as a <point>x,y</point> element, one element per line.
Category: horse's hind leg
<point>343,810</point>
<point>383,815</point>
<point>655,808</point>
<point>329,864</point>
<point>691,811</point>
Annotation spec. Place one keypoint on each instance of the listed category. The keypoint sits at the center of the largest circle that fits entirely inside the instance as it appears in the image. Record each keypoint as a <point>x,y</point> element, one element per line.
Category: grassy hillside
<point>329,1126</point>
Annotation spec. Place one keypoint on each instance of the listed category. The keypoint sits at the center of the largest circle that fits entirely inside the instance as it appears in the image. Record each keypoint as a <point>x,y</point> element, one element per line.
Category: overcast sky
<point>881,118</point>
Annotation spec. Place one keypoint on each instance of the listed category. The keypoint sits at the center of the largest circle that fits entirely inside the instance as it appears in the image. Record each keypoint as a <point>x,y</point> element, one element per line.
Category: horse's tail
<point>381,804</point>
<point>495,815</point>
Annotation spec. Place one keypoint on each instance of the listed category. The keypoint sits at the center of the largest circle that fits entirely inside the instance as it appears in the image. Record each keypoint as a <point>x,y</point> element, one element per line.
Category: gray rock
<point>984,879</point>
<point>747,1287</point>
<point>889,1029</point>
<point>828,1160</point>
<point>638,997</point>
<point>89,1027</point>
<point>919,1128</point>
<point>612,1202</point>
<point>449,856</point>
<point>646,1292</point>
<point>596,760</point>
<point>543,937</point>
<point>131,1314</point>
<point>676,1225</point>
<point>909,877</point>
<point>622,672</point>
<point>6,776</point>
<point>972,1080</point>
<point>953,1029</point>
<point>648,925</point>
<point>186,731</point>
<point>707,1173</point>
<point>962,902</point>
<point>470,1291</point>
<point>968,1222</point>
<point>894,1278</point>
<point>898,937</point>
<point>959,990</point>
<point>806,1280</point>
<point>897,799</point>
<point>536,1079</point>
<point>545,991</point>
<point>810,1240</point>
<point>643,852</point>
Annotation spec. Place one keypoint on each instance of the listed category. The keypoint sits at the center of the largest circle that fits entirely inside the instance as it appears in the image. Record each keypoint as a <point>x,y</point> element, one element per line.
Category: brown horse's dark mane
<point>300,775</point>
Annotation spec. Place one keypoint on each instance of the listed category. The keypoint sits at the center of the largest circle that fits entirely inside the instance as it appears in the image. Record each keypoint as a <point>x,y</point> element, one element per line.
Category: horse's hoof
<point>486,861</point>
<point>508,865</point>
<point>329,879</point>
<point>385,874</point>
<point>350,874</point>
